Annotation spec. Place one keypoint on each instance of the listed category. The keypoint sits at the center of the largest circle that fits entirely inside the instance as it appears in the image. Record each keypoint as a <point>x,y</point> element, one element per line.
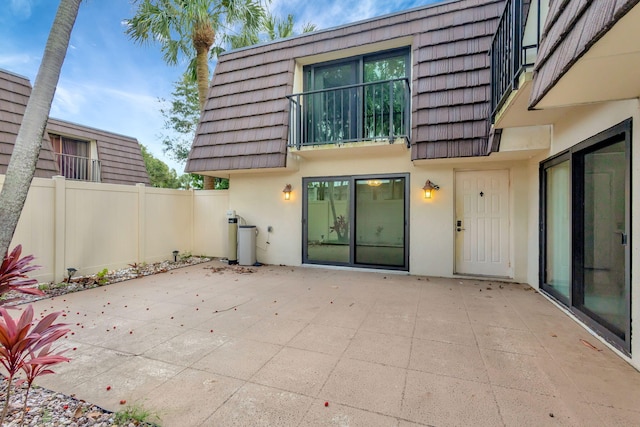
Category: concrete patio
<point>217,348</point>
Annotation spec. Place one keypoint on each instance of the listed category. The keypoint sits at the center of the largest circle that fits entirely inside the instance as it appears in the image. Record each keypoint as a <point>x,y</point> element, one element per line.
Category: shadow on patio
<point>207,347</point>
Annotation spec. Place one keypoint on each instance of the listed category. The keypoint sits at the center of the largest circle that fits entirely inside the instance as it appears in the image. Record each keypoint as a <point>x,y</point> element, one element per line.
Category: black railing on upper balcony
<point>78,167</point>
<point>512,51</point>
<point>360,112</point>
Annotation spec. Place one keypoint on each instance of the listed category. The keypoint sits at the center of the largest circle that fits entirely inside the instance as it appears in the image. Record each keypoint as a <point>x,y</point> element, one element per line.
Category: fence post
<point>192,227</point>
<point>60,229</point>
<point>141,222</point>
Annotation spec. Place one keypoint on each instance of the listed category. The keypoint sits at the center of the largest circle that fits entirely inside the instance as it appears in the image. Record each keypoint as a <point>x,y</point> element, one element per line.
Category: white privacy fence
<point>92,226</point>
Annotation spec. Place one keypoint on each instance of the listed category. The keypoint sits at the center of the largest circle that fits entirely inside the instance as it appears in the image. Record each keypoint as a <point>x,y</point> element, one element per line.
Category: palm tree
<point>272,28</point>
<point>26,150</point>
<point>189,28</point>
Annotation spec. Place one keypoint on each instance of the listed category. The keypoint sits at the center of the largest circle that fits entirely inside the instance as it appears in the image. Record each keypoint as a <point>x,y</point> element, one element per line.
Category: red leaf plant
<point>27,346</point>
<point>36,366</point>
<point>13,274</point>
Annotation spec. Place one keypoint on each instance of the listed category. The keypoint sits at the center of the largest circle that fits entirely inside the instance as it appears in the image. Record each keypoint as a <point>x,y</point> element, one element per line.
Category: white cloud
<point>14,61</point>
<point>331,14</point>
<point>21,8</point>
<point>68,101</point>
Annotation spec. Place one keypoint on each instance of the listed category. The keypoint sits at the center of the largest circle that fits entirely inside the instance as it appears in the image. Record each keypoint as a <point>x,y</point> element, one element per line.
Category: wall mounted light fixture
<point>287,192</point>
<point>429,188</point>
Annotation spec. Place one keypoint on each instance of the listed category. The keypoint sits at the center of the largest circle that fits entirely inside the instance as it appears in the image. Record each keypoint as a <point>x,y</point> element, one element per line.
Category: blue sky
<point>110,83</point>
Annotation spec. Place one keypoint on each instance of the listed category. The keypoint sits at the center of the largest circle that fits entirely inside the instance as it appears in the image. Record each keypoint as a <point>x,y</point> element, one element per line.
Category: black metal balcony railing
<point>510,57</point>
<point>78,168</point>
<point>367,111</point>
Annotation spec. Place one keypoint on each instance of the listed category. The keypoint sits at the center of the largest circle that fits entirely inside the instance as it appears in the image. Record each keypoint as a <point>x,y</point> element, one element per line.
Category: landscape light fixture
<point>175,256</point>
<point>429,188</point>
<point>70,272</point>
<point>287,192</point>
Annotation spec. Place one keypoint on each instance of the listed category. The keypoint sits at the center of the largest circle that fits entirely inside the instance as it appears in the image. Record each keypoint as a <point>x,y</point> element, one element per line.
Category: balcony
<point>346,115</point>
<point>513,53</point>
<point>78,168</point>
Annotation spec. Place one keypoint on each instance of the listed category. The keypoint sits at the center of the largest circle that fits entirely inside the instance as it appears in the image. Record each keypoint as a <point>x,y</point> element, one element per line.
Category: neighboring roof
<point>245,122</point>
<point>14,94</point>
<point>120,157</point>
<point>572,27</point>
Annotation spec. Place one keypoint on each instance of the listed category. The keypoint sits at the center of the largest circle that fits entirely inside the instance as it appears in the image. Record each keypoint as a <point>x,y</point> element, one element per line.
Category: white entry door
<point>482,223</point>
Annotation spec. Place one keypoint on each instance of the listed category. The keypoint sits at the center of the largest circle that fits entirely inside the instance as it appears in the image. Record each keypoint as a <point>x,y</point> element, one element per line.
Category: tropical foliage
<point>188,29</point>
<point>160,174</point>
<point>28,348</point>
<point>271,28</point>
<point>13,274</point>
<point>24,346</point>
<point>181,119</point>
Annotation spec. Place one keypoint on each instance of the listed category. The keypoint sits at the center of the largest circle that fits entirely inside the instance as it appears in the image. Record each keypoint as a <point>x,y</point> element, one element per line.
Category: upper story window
<point>69,146</point>
<point>359,98</point>
<point>74,158</point>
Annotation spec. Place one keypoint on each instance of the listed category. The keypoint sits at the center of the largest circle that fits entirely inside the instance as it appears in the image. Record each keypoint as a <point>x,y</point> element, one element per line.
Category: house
<point>467,138</point>
<point>74,151</point>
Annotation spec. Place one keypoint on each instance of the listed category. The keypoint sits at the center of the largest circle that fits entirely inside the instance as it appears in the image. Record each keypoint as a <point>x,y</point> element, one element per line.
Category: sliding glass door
<point>356,221</point>
<point>585,239</point>
<point>602,239</point>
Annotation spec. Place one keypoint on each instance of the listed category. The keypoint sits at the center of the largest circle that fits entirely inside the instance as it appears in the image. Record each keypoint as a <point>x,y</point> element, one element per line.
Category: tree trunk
<point>26,150</point>
<point>203,38</point>
<point>202,71</point>
<point>209,183</point>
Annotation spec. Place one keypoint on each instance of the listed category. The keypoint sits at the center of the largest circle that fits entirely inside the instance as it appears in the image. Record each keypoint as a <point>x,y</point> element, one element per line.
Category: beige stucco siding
<point>258,199</point>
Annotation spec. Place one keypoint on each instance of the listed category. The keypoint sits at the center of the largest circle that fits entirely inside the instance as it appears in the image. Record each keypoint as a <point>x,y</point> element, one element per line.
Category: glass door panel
<point>384,103</point>
<point>557,274</point>
<point>380,222</point>
<point>333,113</point>
<point>602,268</point>
<point>327,221</point>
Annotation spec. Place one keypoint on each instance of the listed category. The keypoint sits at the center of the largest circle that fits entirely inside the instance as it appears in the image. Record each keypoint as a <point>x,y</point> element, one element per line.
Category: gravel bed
<point>48,409</point>
<point>51,409</point>
<point>82,283</point>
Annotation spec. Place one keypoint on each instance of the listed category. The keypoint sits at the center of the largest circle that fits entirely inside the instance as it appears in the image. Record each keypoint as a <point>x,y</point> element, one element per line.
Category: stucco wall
<point>258,200</point>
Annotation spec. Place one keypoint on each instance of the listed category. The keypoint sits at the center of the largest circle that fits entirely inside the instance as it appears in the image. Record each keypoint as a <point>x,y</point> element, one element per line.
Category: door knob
<point>459,229</point>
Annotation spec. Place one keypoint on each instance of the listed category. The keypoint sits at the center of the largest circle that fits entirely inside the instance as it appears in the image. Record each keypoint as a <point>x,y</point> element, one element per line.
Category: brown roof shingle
<point>245,122</point>
<point>14,94</point>
<point>572,27</point>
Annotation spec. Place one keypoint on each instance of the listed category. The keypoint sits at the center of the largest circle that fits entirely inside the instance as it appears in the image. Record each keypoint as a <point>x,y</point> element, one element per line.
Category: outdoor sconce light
<point>429,188</point>
<point>175,256</point>
<point>287,192</point>
<point>70,272</point>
